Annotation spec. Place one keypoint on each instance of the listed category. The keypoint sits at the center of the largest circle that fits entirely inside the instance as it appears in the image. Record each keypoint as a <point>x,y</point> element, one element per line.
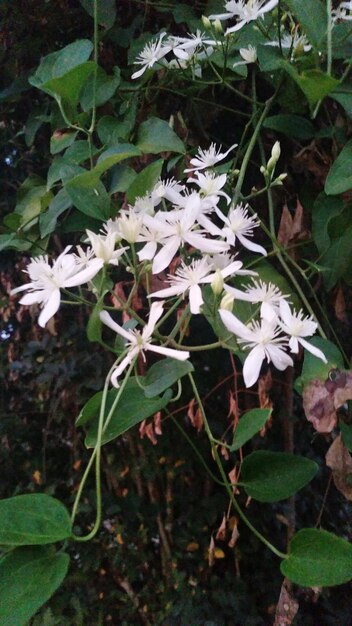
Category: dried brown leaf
<point>221,532</point>
<point>287,606</point>
<point>322,398</point>
<point>339,460</point>
<point>340,306</point>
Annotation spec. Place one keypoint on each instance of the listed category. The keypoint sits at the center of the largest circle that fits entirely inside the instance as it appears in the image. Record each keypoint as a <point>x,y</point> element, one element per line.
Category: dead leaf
<point>233,524</point>
<point>221,533</point>
<point>339,460</point>
<point>287,606</point>
<point>195,416</point>
<point>233,477</point>
<point>211,552</point>
<point>193,546</point>
<point>340,306</point>
<point>265,384</point>
<point>292,228</point>
<point>322,398</point>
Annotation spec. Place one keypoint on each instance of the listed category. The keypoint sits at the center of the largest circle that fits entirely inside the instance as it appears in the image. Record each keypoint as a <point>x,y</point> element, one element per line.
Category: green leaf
<point>343,95</point>
<point>346,432</point>
<point>33,519</point>
<point>61,140</point>
<point>106,11</point>
<point>28,578</point>
<point>132,408</point>
<point>94,326</point>
<point>155,135</point>
<point>318,558</point>
<point>89,196</point>
<point>79,151</point>
<point>338,259</point>
<point>324,210</point>
<point>145,181</point>
<point>163,374</point>
<point>58,63</point>
<point>315,84</point>
<point>339,178</point>
<point>48,220</point>
<point>69,86</point>
<point>122,177</point>
<point>105,89</point>
<point>314,368</point>
<point>249,424</point>
<point>312,18</point>
<point>291,125</point>
<point>210,310</point>
<point>272,476</point>
<point>111,156</point>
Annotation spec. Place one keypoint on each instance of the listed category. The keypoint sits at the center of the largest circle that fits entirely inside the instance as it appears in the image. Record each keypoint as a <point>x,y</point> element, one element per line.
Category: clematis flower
<point>140,342</point>
<point>265,343</point>
<point>249,55</point>
<point>47,280</point>
<point>176,229</point>
<point>239,224</point>
<point>298,327</point>
<point>151,54</point>
<point>208,158</point>
<point>210,185</point>
<point>244,11</point>
<point>103,247</point>
<point>268,294</point>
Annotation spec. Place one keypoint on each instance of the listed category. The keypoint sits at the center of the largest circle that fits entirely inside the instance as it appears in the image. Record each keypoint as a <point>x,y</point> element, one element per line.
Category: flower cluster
<point>194,227</point>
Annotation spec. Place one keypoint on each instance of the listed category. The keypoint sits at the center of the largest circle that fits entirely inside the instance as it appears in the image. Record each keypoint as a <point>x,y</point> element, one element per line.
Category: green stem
<point>329,36</point>
<point>228,485</point>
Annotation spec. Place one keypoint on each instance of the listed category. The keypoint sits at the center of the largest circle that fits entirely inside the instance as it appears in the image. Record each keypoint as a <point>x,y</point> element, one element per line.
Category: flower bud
<point>217,283</point>
<point>227,302</point>
<point>206,22</point>
<point>275,155</point>
<point>263,170</point>
<point>218,26</point>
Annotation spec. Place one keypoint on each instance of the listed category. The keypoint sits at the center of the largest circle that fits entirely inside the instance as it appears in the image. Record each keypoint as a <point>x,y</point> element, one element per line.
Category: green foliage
<point>291,125</point>
<point>318,559</point>
<point>163,374</point>
<point>28,577</point>
<point>33,519</point>
<point>145,180</point>
<point>155,136</point>
<point>249,424</point>
<point>339,178</point>
<point>272,476</point>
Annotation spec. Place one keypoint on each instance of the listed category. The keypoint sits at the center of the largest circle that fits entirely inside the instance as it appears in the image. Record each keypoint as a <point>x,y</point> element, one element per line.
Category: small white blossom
<point>139,342</point>
<point>249,55</point>
<point>208,158</point>
<point>151,54</point>
<point>210,184</point>
<point>103,247</point>
<point>265,343</point>
<point>244,11</point>
<point>298,327</point>
<point>47,280</point>
<point>239,224</point>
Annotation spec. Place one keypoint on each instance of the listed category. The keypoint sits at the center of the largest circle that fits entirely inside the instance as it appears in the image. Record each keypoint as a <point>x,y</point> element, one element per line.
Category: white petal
<point>156,311</point>
<point>120,368</point>
<point>234,325</point>
<point>148,251</point>
<point>83,276</point>
<point>195,299</point>
<point>51,307</point>
<point>180,355</point>
<point>107,319</point>
<point>318,353</point>
<point>293,344</point>
<point>278,356</point>
<point>166,254</point>
<point>168,292</point>
<point>139,73</point>
<point>33,297</point>
<point>285,312</point>
<point>252,365</point>
<point>250,245</point>
<point>267,312</point>
<point>22,288</point>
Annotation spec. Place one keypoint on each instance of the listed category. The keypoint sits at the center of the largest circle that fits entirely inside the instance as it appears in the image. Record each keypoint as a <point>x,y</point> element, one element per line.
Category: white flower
<point>129,225</point>
<point>298,326</point>
<point>170,190</point>
<point>103,247</point>
<point>264,342</point>
<point>185,47</point>
<point>47,280</point>
<point>208,158</point>
<point>343,11</point>
<point>151,54</point>
<point>176,229</point>
<point>244,11</point>
<point>249,55</point>
<point>295,42</point>
<point>210,184</point>
<point>239,224</point>
<point>268,294</point>
<point>189,277</point>
<point>140,342</point>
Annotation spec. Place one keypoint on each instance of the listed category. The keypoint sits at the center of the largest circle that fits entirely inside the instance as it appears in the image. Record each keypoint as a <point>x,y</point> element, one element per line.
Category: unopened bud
<point>218,26</point>
<point>206,22</point>
<point>217,283</point>
<point>263,170</point>
<point>227,302</point>
<point>275,155</point>
<point>236,172</point>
